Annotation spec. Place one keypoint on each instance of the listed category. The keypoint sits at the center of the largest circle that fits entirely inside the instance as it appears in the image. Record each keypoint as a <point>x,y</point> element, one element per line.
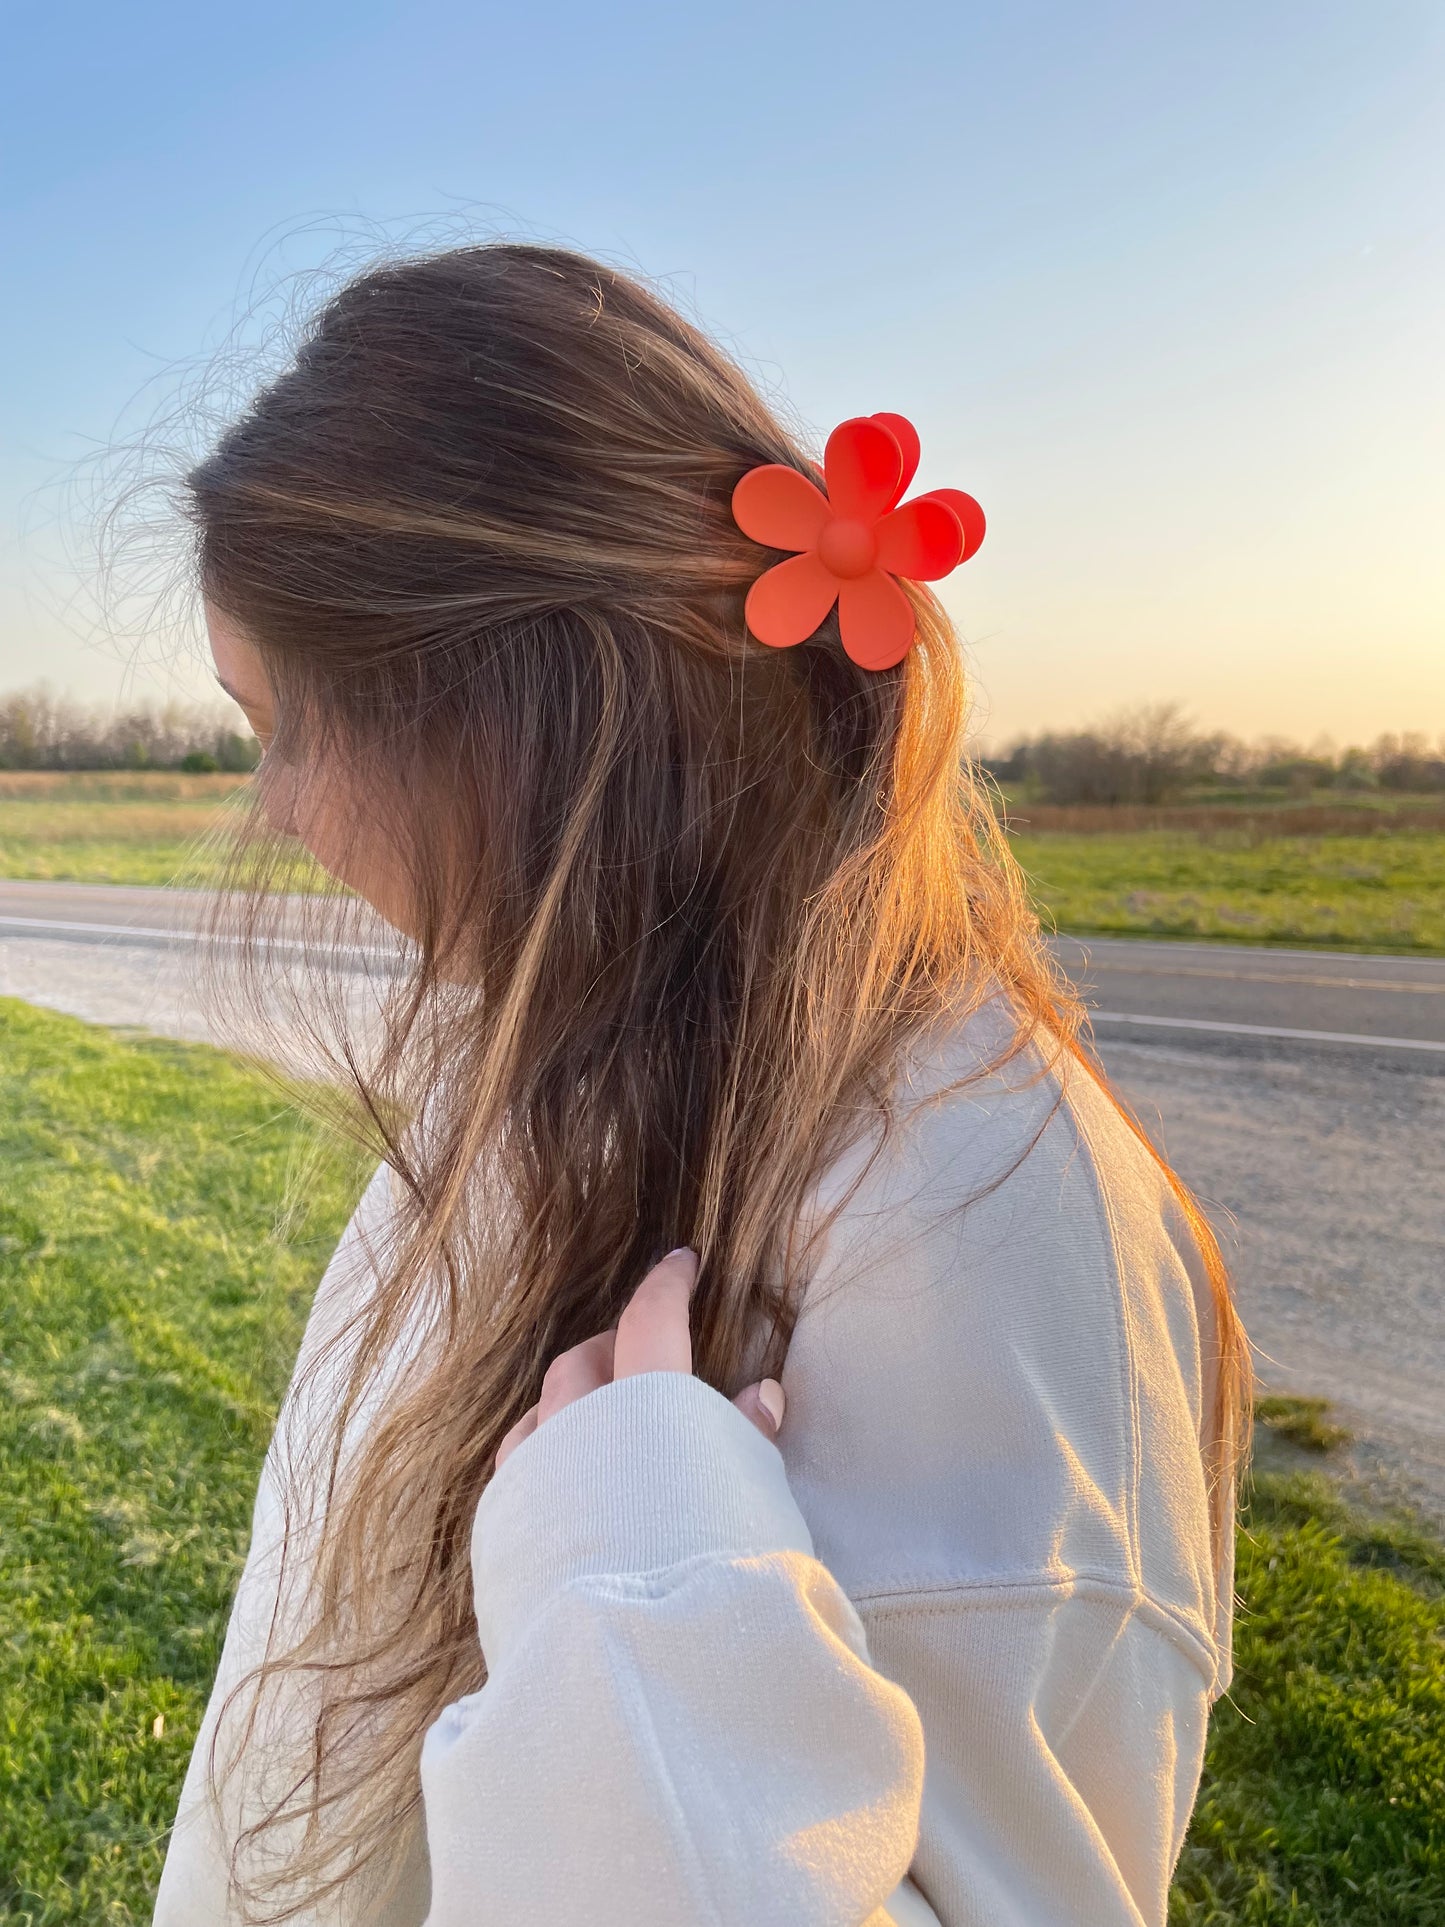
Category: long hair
<point>677,903</point>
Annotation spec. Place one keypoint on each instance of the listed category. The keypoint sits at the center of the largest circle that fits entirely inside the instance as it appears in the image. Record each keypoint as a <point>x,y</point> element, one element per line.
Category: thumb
<point>764,1404</point>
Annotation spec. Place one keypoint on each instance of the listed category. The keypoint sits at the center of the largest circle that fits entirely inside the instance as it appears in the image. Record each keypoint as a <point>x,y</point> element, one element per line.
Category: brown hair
<point>680,901</point>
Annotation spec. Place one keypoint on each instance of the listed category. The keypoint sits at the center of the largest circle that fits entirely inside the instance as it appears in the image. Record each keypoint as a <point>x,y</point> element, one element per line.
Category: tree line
<point>1143,756</point>
<point>39,730</point>
<point>1154,755</point>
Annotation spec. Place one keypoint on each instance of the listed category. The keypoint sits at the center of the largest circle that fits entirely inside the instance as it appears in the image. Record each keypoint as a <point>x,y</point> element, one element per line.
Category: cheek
<point>322,821</point>
<point>333,828</point>
<point>299,804</point>
<point>280,790</point>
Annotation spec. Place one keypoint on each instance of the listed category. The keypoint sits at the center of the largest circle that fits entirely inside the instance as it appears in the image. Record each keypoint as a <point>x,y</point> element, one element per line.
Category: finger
<point>764,1404</point>
<point>524,1428</point>
<point>573,1374</point>
<point>652,1333</point>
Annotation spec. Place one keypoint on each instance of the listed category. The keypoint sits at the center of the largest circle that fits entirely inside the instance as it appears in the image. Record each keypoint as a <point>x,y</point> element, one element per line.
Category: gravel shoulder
<point>1322,1173</point>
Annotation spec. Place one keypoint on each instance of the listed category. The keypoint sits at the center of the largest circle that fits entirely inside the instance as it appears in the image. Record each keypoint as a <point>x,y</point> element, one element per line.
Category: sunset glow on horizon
<point>1162,290</point>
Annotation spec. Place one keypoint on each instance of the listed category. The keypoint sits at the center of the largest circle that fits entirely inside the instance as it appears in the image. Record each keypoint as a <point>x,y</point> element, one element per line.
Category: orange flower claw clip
<point>852,543</point>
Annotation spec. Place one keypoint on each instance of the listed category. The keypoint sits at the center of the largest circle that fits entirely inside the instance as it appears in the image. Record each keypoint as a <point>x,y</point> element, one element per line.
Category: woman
<point>713,945</point>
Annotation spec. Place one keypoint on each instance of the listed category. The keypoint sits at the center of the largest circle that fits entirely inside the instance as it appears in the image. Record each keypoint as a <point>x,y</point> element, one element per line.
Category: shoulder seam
<point>1129,1360</point>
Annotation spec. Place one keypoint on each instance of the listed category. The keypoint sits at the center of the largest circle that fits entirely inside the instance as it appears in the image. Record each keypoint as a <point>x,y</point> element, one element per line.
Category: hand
<point>652,1335</point>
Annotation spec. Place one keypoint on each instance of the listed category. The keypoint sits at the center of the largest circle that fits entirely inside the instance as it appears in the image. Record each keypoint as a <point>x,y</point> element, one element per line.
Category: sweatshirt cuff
<point>640,1475</point>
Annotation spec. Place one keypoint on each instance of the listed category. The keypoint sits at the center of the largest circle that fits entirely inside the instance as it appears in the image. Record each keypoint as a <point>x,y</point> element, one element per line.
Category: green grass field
<point>1384,892</point>
<point>1324,1782</point>
<point>149,1311</point>
<point>1359,892</point>
<point>149,1315</point>
<point>110,828</point>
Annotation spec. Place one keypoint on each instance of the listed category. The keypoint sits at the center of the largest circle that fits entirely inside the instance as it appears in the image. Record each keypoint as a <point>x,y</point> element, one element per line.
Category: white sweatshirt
<point>943,1654</point>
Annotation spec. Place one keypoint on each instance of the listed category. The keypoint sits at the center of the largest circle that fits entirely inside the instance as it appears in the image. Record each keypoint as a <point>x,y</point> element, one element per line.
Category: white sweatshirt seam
<point>657,1583</point>
<point>1129,1361</point>
<point>646,1585</point>
<point>1173,1622</point>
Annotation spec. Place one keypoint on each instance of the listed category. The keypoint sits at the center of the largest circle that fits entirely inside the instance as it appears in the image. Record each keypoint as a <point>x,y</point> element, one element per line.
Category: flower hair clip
<point>852,542</point>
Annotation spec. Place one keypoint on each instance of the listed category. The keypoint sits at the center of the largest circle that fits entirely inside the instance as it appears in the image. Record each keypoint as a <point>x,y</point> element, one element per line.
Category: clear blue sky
<point>1163,286</point>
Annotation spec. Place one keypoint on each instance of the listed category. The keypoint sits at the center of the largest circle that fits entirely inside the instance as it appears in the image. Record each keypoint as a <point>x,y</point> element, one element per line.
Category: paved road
<point>99,903</point>
<point>1301,996</point>
<point>1301,1093</point>
<point>1305,996</point>
<point>97,911</point>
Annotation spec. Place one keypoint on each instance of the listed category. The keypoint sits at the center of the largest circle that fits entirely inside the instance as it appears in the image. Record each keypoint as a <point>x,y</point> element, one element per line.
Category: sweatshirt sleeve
<point>680,1726</point>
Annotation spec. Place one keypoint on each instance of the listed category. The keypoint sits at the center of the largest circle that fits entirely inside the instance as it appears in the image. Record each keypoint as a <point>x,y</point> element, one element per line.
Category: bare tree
<point>1153,755</point>
<point>39,730</point>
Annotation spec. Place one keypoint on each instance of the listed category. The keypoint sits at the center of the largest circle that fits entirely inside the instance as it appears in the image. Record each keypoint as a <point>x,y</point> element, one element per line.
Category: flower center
<point>847,548</point>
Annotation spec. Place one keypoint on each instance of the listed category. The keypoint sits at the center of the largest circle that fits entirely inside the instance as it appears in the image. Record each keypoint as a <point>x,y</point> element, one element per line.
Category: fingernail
<point>773,1401</point>
<point>686,1251</point>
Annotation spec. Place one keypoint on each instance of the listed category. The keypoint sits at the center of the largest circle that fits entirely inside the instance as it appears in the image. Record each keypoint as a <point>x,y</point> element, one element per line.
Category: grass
<point>149,1316</point>
<point>110,827</point>
<point>1354,892</point>
<point>1324,1784</point>
<point>1379,891</point>
<point>1303,1421</point>
<point>1257,813</point>
<point>149,1312</point>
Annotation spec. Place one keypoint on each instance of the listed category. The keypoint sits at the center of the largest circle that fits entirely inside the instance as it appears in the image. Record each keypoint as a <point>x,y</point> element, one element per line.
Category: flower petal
<point>922,540</point>
<point>780,507</point>
<point>906,436</point>
<point>787,602</point>
<point>863,463</point>
<point>968,512</point>
<point>875,619</point>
